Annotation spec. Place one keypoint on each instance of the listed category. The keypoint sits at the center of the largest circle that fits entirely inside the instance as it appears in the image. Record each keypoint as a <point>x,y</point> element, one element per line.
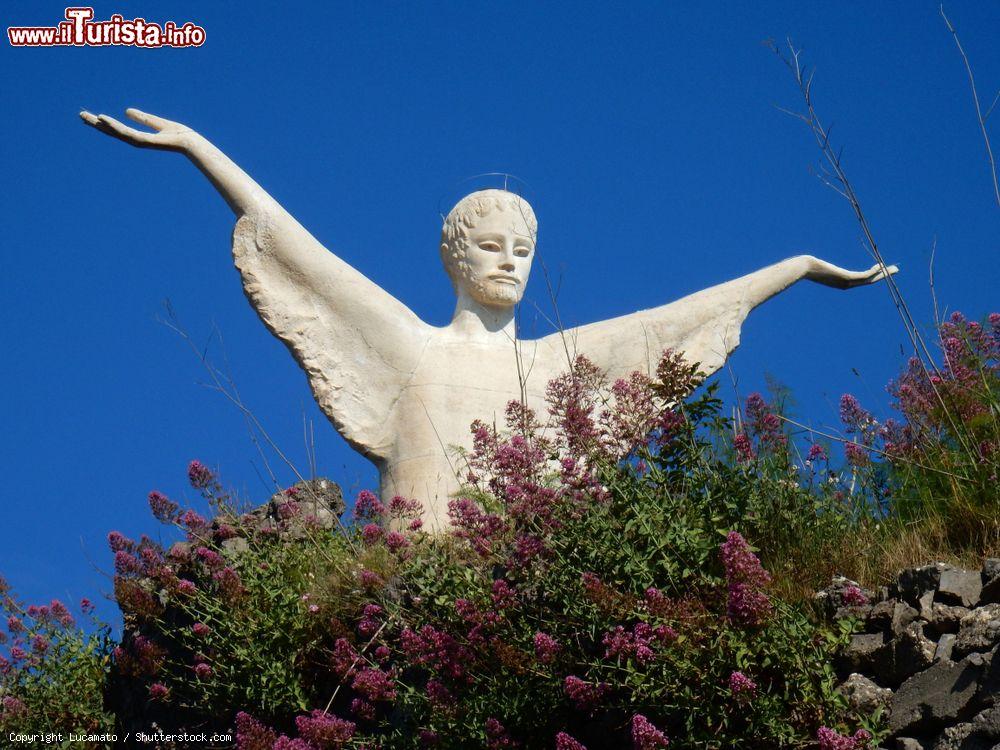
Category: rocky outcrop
<point>927,655</point>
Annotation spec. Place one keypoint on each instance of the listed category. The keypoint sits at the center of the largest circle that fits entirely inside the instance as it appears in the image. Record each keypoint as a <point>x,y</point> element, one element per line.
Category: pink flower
<point>12,707</point>
<point>503,595</point>
<point>395,541</point>
<point>645,736</point>
<point>368,507</point>
<point>363,709</point>
<point>584,695</point>
<point>856,454</point>
<point>565,742</point>
<point>401,507</point>
<point>764,423</point>
<point>163,509</point>
<point>325,730</point>
<point>854,597</point>
<point>371,533</point>
<point>126,562</point>
<point>374,684</point>
<point>252,735</point>
<point>229,583</point>
<point>546,648</point>
<point>829,739</point>
<point>471,523</point>
<point>370,579</point>
<point>741,686</point>
<point>86,606</point>
<point>743,447</point>
<point>637,643</point>
<point>186,587</point>
<point>816,453</point>
<point>192,521</point>
<point>158,691</point>
<point>497,736</point>
<point>200,629</point>
<point>202,670</point>
<point>199,475</point>
<point>118,541</point>
<point>210,557</point>
<point>344,657</point>
<point>748,604</point>
<point>61,614</point>
<point>438,694</point>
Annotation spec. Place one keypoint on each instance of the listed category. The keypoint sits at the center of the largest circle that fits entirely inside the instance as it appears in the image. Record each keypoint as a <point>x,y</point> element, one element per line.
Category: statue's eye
<point>522,252</point>
<point>493,247</point>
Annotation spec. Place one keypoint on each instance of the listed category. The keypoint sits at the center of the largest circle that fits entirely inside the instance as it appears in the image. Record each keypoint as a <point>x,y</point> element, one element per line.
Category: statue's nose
<point>507,261</point>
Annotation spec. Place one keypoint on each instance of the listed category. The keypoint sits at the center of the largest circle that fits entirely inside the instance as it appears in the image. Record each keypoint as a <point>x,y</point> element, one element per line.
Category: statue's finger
<point>120,130</point>
<point>89,118</point>
<point>152,121</point>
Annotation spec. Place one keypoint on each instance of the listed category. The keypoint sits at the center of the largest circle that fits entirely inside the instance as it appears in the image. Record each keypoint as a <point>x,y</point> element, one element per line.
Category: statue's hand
<point>840,278</point>
<point>169,135</point>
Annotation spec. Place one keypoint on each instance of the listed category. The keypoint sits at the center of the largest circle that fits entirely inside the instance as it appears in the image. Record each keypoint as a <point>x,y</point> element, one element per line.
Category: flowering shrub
<point>52,673</point>
<point>597,589</point>
<point>938,465</point>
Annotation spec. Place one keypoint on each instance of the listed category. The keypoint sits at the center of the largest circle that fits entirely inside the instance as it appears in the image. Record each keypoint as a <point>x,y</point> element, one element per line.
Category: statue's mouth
<point>503,279</point>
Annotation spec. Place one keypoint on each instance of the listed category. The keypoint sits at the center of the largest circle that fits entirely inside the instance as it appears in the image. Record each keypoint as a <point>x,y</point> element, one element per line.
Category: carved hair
<point>463,217</point>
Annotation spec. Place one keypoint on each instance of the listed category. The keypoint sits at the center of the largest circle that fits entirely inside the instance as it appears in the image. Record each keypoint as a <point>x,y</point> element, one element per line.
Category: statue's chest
<point>456,382</point>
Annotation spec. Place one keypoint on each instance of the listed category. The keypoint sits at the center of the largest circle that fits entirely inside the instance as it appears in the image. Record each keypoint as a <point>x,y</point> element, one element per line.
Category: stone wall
<point>927,655</point>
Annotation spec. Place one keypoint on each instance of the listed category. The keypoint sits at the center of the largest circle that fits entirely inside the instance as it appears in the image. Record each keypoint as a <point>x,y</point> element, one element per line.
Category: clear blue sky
<point>656,161</point>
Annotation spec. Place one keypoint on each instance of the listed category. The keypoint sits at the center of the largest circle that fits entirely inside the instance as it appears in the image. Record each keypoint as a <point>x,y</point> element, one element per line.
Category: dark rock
<point>860,613</point>
<point>989,684</point>
<point>936,697</point>
<point>880,617</point>
<point>235,545</point>
<point>890,616</point>
<point>981,733</point>
<point>902,616</point>
<point>912,583</point>
<point>863,695</point>
<point>293,514</point>
<point>978,631</point>
<point>987,723</point>
<point>945,646</point>
<point>991,592</point>
<point>991,569</point>
<point>991,581</point>
<point>961,587</point>
<point>926,605</point>
<point>859,655</point>
<point>946,618</point>
<point>904,656</point>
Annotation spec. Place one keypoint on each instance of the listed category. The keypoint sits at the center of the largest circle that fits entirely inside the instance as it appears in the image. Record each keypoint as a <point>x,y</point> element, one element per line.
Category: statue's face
<point>497,259</point>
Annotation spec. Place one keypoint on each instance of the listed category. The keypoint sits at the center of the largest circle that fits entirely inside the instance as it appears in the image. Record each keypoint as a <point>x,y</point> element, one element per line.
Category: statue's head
<point>487,245</point>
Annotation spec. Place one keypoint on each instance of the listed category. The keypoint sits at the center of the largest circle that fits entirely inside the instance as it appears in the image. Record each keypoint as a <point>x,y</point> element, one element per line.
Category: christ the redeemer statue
<point>402,392</point>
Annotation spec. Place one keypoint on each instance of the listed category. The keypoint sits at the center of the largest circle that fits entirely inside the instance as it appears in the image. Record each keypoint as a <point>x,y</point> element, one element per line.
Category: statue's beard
<point>486,291</point>
<point>496,294</point>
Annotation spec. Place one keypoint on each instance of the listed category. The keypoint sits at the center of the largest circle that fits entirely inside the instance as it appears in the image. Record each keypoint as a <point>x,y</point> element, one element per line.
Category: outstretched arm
<point>237,188</point>
<point>356,342</point>
<point>705,326</point>
<point>767,282</point>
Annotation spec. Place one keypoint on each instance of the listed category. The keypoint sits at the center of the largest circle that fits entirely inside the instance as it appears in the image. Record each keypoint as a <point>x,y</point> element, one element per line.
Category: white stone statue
<point>403,392</point>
